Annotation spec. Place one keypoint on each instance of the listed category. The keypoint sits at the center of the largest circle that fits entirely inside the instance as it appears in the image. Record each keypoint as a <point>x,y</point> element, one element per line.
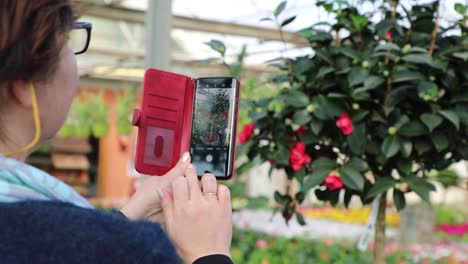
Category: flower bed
<point>252,247</point>
<point>354,216</point>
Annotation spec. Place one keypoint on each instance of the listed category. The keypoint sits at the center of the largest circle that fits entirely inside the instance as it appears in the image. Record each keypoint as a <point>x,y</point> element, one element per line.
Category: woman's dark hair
<point>32,34</point>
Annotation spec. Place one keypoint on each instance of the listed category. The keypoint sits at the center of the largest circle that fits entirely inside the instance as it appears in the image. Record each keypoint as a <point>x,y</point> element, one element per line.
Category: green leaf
<point>358,139</point>
<point>419,59</point>
<point>279,197</point>
<point>390,146</point>
<point>373,82</point>
<point>431,120</point>
<point>440,141</point>
<point>421,187</point>
<point>358,164</point>
<point>217,46</point>
<point>324,164</point>
<point>301,117</point>
<point>405,166</point>
<point>282,155</point>
<point>288,21</point>
<point>422,146</point>
<point>280,8</point>
<point>370,83</point>
<point>387,46</point>
<point>321,37</point>
<point>461,55</point>
<point>461,9</point>
<point>255,116</point>
<point>324,71</point>
<point>357,76</point>
<point>412,129</point>
<point>399,199</point>
<point>315,179</point>
<point>352,178</point>
<point>429,89</point>
<point>380,186</point>
<point>316,126</point>
<point>404,76</point>
<point>308,137</point>
<point>406,147</point>
<point>296,99</point>
<point>452,117</point>
<point>307,33</point>
<point>417,50</point>
<point>359,22</point>
<point>359,115</point>
<point>300,219</point>
<point>401,121</point>
<point>349,52</point>
<point>266,19</point>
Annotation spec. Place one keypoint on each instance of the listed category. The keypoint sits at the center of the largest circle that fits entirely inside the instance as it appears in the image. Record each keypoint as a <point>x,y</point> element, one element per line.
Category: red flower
<point>246,132</point>
<point>345,123</point>
<point>300,130</point>
<point>298,157</point>
<point>388,35</point>
<point>333,182</point>
<point>286,215</point>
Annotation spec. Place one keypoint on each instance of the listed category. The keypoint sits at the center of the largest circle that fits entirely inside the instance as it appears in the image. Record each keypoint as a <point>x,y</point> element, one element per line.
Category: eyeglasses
<point>79,37</point>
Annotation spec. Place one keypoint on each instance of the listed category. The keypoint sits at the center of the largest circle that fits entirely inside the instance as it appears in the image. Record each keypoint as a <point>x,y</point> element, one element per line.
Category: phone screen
<point>213,125</point>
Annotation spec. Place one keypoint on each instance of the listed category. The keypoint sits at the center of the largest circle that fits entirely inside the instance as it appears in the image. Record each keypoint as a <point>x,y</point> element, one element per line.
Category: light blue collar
<point>19,182</point>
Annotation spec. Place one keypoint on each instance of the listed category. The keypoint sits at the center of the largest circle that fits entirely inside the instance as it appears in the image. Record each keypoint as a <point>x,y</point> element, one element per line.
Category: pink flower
<point>298,157</point>
<point>345,123</point>
<point>388,35</point>
<point>246,132</point>
<point>328,242</point>
<point>261,244</point>
<point>454,230</point>
<point>333,182</point>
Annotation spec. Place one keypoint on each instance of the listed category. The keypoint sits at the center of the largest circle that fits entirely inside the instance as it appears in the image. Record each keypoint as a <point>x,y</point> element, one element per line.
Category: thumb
<point>179,168</point>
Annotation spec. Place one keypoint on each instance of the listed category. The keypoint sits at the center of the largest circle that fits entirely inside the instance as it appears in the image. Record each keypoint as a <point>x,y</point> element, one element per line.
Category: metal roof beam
<point>194,24</point>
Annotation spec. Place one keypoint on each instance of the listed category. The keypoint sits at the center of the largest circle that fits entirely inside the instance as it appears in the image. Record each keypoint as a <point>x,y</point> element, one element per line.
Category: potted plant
<point>380,101</point>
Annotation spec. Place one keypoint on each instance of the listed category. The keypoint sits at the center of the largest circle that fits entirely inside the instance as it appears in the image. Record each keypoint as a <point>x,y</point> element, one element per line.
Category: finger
<point>180,167</point>
<point>209,186</point>
<point>180,191</point>
<point>194,185</point>
<point>224,198</point>
<point>167,206</point>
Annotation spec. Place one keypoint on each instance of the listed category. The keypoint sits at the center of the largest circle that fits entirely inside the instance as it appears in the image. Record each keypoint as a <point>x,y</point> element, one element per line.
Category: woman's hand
<point>199,222</point>
<point>145,204</point>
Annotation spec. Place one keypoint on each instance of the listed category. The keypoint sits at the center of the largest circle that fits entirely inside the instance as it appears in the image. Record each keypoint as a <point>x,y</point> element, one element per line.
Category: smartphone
<point>214,125</point>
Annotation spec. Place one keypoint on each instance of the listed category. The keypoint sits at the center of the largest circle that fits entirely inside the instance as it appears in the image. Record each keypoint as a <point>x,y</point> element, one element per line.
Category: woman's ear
<point>21,93</point>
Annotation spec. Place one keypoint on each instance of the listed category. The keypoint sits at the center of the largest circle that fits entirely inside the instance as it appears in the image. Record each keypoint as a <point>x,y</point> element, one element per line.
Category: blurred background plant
<point>88,116</point>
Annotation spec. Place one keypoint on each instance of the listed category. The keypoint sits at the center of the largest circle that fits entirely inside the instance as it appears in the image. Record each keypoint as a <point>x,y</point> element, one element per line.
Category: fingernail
<point>185,158</point>
<point>190,166</point>
<point>161,195</point>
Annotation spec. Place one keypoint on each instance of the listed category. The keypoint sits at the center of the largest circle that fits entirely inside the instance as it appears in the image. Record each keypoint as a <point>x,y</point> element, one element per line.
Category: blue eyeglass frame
<point>88,27</point>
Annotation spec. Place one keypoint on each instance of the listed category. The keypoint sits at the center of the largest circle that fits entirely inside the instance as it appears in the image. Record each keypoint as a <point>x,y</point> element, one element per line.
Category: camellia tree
<point>380,101</point>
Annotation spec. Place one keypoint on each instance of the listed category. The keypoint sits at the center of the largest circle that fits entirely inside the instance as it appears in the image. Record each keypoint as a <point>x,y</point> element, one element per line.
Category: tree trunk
<point>380,239</point>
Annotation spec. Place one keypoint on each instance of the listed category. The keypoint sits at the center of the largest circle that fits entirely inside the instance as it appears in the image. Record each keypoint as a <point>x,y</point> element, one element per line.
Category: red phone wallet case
<point>164,121</point>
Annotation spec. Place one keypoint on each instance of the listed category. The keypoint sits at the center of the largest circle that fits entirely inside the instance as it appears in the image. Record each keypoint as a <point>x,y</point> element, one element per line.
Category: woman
<point>45,221</point>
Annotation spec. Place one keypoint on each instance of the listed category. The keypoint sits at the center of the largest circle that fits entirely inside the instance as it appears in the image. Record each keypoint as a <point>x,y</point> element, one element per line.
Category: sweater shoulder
<point>57,232</point>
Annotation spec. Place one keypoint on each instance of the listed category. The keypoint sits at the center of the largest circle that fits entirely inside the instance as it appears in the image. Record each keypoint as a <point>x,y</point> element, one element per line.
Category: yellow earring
<point>37,125</point>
